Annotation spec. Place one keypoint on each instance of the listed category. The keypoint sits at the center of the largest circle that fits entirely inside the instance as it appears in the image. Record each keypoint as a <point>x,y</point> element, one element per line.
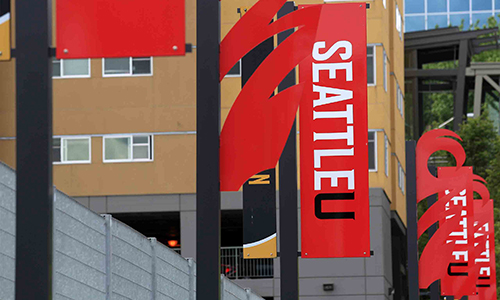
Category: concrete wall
<point>353,278</point>
<point>98,257</point>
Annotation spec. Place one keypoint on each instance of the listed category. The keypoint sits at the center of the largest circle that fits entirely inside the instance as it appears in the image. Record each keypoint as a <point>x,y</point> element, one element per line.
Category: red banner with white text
<point>333,137</point>
<point>484,238</point>
<point>461,275</point>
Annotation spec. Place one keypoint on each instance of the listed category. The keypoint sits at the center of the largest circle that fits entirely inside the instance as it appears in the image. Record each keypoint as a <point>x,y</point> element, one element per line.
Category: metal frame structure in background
<point>439,45</point>
<point>208,107</point>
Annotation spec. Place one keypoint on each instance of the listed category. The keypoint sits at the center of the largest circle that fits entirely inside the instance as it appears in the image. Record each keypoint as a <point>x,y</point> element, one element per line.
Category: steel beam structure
<point>289,268</point>
<point>460,92</point>
<point>34,188</point>
<point>207,150</point>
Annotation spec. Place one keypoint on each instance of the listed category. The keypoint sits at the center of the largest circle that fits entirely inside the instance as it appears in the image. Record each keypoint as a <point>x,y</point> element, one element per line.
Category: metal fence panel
<point>234,266</point>
<point>79,251</point>
<point>80,257</point>
<point>172,274</point>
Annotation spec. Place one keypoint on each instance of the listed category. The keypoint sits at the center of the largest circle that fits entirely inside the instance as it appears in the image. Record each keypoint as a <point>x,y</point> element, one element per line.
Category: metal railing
<point>235,267</point>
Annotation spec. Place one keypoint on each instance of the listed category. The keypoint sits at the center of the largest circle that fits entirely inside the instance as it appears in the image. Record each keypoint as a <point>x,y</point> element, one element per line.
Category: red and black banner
<point>333,137</point>
<point>484,238</point>
<point>460,277</point>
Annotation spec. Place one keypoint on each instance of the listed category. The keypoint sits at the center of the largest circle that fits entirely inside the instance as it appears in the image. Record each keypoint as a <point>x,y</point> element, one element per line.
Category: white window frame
<point>130,66</point>
<point>375,151</point>
<point>401,178</point>
<point>62,76</point>
<point>73,137</point>
<point>385,71</point>
<point>386,155</point>
<point>233,75</point>
<point>399,22</point>
<point>131,137</point>
<point>374,64</point>
<point>400,99</point>
<point>385,3</point>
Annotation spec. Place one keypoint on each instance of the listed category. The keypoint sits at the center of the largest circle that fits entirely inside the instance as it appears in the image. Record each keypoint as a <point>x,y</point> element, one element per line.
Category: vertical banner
<point>461,275</point>
<point>259,216</point>
<point>334,135</point>
<point>5,30</point>
<point>484,239</point>
<point>259,192</point>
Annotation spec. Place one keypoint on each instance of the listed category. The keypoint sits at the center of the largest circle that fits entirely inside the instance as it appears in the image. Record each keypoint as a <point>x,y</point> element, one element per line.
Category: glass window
<point>481,19</point>
<point>386,155</point>
<point>399,100</point>
<point>71,150</point>
<point>141,65</point>
<point>56,68</point>
<point>235,70</point>
<point>497,6</point>
<point>127,66</point>
<point>481,5</point>
<point>370,57</point>
<point>401,178</point>
<point>440,21</point>
<point>414,6</point>
<point>128,148</point>
<point>372,151</point>
<point>456,20</point>
<point>385,3</point>
<point>416,23</point>
<point>459,5</point>
<point>113,66</point>
<point>385,71</point>
<point>69,68</point>
<point>435,5</point>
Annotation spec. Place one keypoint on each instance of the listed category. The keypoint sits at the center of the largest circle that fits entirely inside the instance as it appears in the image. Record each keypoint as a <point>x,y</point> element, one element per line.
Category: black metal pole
<point>434,288</point>
<point>289,268</point>
<point>207,150</point>
<point>34,189</point>
<point>411,210</point>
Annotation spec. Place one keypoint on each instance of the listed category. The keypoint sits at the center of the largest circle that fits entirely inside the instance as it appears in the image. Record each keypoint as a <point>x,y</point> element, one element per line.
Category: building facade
<point>124,144</point>
<point>429,14</point>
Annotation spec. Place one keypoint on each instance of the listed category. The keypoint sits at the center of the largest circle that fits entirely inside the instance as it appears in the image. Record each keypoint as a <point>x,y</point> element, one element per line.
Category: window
<point>371,65</point>
<point>459,5</point>
<point>372,151</point>
<point>125,148</point>
<point>439,21</point>
<point>414,23</point>
<point>386,155</point>
<point>127,66</point>
<point>235,70</point>
<point>401,178</point>
<point>400,100</point>
<point>437,6</point>
<point>71,68</point>
<point>71,150</point>
<point>385,3</point>
<point>399,22</point>
<point>385,71</point>
<point>415,6</point>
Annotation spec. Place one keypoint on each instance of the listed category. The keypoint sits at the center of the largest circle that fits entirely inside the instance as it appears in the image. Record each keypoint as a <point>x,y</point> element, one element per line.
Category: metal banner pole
<point>289,268</point>
<point>34,189</point>
<point>412,218</point>
<point>434,288</point>
<point>207,150</point>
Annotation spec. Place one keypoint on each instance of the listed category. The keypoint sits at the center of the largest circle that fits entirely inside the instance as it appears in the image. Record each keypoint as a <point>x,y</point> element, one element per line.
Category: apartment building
<point>124,144</point>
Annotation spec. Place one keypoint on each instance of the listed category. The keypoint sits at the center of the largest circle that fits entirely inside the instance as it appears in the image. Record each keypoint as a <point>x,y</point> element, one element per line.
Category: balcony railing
<point>235,267</point>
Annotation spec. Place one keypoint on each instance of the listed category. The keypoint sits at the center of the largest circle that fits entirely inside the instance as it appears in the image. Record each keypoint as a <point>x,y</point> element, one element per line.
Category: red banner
<point>460,278</point>
<point>120,28</point>
<point>485,251</point>
<point>333,137</point>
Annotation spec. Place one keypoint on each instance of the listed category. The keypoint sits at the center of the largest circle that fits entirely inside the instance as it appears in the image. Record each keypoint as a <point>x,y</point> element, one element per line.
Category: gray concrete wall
<point>353,278</point>
<point>98,257</point>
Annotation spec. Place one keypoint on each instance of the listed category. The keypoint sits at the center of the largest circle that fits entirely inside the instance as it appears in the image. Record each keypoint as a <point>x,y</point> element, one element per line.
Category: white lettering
<point>340,44</point>
<point>323,91</point>
<point>334,177</point>
<point>332,70</point>
<point>349,136</point>
<point>335,114</point>
<point>330,152</point>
